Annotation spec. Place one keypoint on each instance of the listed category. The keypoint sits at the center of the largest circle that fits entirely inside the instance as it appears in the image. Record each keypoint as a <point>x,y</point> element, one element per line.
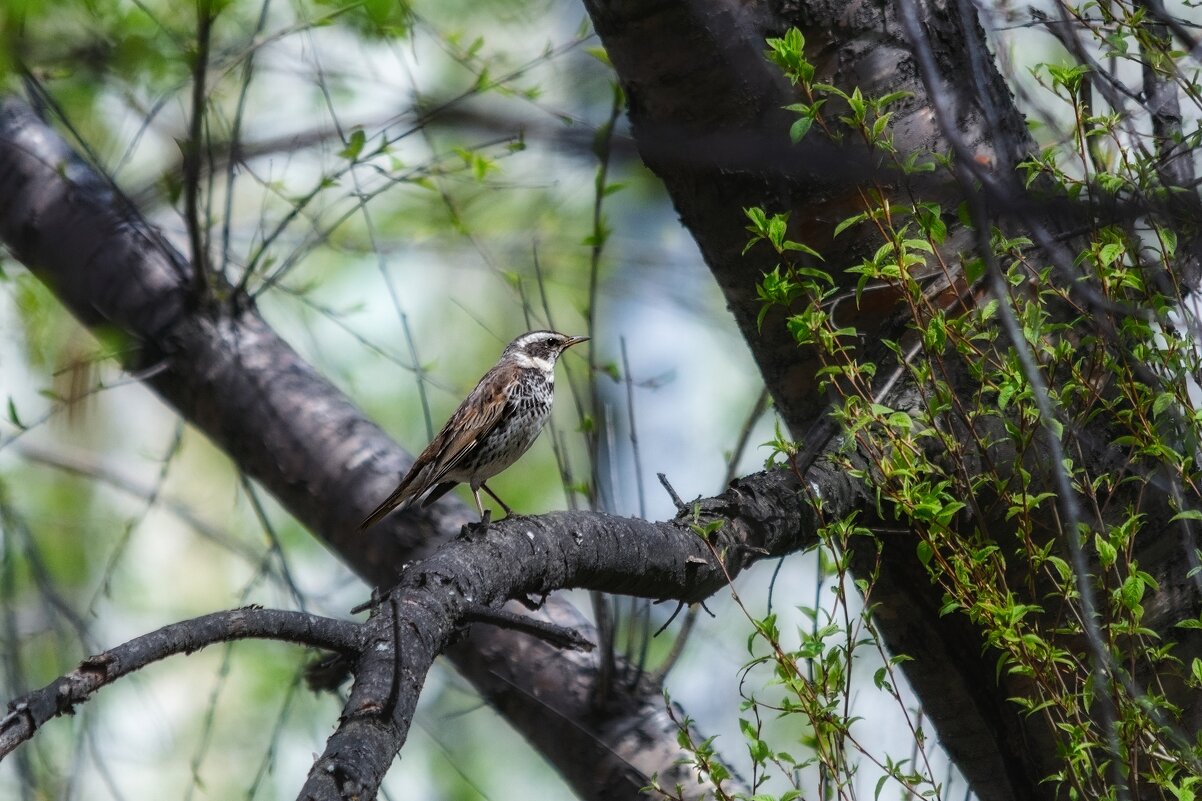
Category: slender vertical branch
<point>192,149</point>
<point>235,144</point>
<point>757,410</point>
<point>601,148</point>
<point>634,434</point>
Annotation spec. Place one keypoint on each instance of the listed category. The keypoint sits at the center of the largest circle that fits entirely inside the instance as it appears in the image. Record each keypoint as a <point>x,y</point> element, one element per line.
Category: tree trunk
<point>707,109</point>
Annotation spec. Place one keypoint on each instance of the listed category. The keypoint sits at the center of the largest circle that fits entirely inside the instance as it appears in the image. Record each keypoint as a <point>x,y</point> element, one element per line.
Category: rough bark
<point>762,515</point>
<point>30,712</point>
<point>707,112</point>
<point>706,107</point>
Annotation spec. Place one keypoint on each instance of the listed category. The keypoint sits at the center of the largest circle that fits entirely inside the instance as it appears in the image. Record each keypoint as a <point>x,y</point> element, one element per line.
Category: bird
<point>494,425</point>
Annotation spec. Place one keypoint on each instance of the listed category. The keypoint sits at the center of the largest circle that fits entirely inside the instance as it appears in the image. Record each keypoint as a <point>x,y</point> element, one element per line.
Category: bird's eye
<point>549,342</point>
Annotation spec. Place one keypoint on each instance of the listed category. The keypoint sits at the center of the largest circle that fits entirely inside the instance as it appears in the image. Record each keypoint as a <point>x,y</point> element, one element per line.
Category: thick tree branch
<point>767,514</point>
<point>28,713</point>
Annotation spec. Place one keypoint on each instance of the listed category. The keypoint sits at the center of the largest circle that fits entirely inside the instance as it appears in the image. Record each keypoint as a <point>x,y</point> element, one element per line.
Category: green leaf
<point>1106,552</point>
<point>930,218</point>
<point>892,97</point>
<point>12,415</point>
<point>776,230</point>
<point>600,54</point>
<point>354,146</point>
<point>1169,237</point>
<point>800,128</point>
<point>849,222</point>
<point>1004,395</point>
<point>1162,402</point>
<point>856,102</point>
<point>1132,592</point>
<point>791,245</point>
<point>878,127</point>
<point>1110,253</point>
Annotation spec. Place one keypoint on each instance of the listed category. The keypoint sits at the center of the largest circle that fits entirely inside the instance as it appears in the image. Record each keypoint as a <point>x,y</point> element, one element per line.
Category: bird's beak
<point>574,341</point>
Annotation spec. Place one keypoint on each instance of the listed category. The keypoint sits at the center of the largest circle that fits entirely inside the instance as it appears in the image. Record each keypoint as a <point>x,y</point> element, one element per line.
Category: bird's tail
<point>399,499</point>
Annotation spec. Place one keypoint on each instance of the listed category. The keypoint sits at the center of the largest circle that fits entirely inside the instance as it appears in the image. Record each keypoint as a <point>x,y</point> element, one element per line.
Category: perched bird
<point>496,423</point>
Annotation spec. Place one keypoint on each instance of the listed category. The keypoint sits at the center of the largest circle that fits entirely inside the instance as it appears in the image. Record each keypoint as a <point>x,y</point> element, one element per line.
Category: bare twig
<point>628,379</point>
<point>83,464</point>
<point>736,454</point>
<point>676,501</point>
<point>558,636</point>
<point>678,645</point>
<point>192,149</point>
<point>28,713</point>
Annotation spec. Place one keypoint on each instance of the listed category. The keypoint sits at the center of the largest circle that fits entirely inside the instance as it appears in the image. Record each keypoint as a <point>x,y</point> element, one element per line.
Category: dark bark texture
<point>27,714</point>
<point>699,85</point>
<point>707,111</point>
<point>764,514</point>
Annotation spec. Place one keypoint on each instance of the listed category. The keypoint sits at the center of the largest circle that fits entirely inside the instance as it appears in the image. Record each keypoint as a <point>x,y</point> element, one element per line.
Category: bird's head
<point>540,348</point>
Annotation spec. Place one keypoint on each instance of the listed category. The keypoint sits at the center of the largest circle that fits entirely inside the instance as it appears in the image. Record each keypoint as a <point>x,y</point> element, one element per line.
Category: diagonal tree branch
<point>28,713</point>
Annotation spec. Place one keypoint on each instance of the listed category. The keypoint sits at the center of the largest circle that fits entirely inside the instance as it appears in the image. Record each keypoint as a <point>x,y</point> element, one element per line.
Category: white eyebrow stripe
<point>527,361</point>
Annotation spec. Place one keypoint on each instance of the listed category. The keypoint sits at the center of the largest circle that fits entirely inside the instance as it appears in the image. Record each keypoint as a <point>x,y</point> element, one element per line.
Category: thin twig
<point>634,432</point>
<point>678,645</point>
<point>31,711</point>
<point>676,501</point>
<point>204,27</point>
<point>736,455</point>
<point>601,148</point>
<point>558,636</point>
<point>235,142</point>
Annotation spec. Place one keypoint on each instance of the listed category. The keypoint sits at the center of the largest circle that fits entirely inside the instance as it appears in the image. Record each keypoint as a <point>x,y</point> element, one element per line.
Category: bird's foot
<point>472,530</point>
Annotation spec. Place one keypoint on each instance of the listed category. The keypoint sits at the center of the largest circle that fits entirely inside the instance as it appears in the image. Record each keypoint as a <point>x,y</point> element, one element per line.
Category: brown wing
<point>476,416</point>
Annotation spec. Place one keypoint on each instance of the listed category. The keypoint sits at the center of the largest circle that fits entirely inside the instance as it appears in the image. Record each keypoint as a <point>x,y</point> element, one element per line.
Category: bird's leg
<point>480,528</point>
<point>495,497</point>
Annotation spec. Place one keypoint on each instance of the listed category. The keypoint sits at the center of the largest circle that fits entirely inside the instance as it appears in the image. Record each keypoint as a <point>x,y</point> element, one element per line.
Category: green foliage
<point>811,682</point>
<point>966,470</point>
